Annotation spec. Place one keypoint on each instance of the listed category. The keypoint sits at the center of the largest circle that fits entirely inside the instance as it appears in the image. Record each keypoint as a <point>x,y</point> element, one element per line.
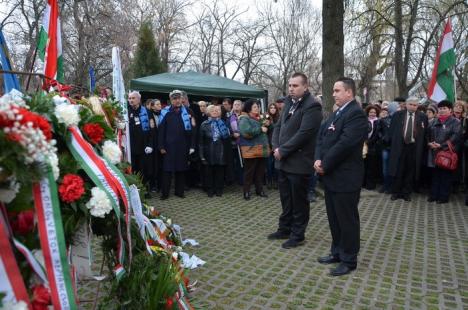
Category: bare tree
<point>292,31</point>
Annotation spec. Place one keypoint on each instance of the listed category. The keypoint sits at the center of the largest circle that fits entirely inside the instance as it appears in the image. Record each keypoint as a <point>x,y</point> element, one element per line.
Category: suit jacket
<point>396,139</point>
<point>295,135</point>
<point>339,147</point>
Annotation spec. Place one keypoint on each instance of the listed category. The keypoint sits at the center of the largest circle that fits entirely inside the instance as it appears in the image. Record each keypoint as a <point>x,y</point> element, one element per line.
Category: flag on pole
<point>442,85</point>
<point>50,42</point>
<point>118,89</point>
<point>10,81</point>
<point>92,79</point>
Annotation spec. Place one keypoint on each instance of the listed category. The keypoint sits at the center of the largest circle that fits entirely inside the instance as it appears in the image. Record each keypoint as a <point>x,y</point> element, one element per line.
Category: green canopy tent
<point>197,85</point>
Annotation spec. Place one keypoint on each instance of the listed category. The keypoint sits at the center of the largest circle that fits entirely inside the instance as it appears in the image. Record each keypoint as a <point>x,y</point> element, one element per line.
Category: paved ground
<point>413,255</point>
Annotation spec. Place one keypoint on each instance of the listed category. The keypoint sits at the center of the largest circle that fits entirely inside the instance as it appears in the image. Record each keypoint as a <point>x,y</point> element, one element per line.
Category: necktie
<point>409,129</point>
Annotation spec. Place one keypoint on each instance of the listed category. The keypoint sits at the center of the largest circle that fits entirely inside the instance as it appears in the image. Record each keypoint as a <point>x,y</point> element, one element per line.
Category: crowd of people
<point>202,145</point>
<point>206,145</point>
<point>396,147</point>
<point>404,141</point>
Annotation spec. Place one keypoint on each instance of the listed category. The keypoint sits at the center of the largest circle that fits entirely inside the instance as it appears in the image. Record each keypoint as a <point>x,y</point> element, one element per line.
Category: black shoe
<point>164,197</point>
<point>442,201</point>
<point>278,235</point>
<point>261,194</point>
<point>148,195</point>
<point>407,198</point>
<point>329,259</point>
<point>382,190</point>
<point>219,194</point>
<point>210,194</point>
<point>431,199</point>
<point>292,243</point>
<point>247,195</point>
<point>341,270</point>
<point>180,195</point>
<point>394,197</point>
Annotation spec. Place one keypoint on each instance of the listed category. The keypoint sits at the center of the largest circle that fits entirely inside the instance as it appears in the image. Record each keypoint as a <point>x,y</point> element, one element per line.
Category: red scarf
<point>443,118</point>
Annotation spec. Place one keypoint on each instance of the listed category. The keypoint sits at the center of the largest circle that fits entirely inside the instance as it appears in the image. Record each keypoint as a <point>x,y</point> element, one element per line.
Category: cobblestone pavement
<point>413,255</point>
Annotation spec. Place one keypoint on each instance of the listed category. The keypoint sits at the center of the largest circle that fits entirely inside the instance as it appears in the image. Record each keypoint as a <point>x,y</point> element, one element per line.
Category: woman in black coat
<point>213,136</point>
<point>445,130</point>
<point>154,159</point>
<point>372,159</point>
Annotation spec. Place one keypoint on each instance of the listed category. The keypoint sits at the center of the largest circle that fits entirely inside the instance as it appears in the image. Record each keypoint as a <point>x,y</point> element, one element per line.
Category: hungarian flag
<point>50,42</point>
<point>442,85</point>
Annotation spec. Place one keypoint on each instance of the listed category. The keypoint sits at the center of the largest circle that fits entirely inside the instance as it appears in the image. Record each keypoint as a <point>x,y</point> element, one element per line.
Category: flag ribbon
<point>105,176</point>
<point>52,240</point>
<point>33,262</point>
<point>11,280</point>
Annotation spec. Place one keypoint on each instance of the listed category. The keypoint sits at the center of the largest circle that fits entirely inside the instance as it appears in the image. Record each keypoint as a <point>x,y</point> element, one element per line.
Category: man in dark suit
<point>406,136</point>
<point>294,144</point>
<point>174,143</point>
<point>340,164</point>
<point>141,147</point>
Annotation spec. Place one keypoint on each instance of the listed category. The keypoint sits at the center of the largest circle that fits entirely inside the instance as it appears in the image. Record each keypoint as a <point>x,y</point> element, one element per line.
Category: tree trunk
<point>399,64</point>
<point>332,48</point>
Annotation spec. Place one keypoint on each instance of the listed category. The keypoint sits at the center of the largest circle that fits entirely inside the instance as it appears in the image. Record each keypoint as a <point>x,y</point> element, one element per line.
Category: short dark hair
<point>305,79</point>
<point>445,103</point>
<point>248,105</point>
<point>348,84</point>
<point>400,99</point>
<point>227,100</point>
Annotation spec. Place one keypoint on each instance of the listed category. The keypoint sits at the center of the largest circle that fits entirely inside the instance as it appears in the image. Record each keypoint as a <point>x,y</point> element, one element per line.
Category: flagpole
<point>32,68</point>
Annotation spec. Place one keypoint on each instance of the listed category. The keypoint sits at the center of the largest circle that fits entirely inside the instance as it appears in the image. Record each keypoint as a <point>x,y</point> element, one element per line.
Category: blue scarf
<point>185,116</point>
<point>218,129</point>
<point>144,119</point>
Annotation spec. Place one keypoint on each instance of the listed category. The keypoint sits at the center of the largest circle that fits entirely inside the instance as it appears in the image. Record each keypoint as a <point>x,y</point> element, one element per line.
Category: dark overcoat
<point>139,139</point>
<point>173,137</point>
<point>214,152</point>
<point>295,135</point>
<point>396,140</point>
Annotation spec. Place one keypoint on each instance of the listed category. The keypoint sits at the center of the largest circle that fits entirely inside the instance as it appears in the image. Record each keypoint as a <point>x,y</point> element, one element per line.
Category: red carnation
<point>94,132</point>
<point>41,298</point>
<point>44,126</point>
<point>72,188</point>
<point>24,222</point>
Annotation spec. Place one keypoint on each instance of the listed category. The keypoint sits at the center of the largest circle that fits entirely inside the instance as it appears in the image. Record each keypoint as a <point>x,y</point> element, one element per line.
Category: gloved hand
<point>191,151</point>
<point>148,150</point>
<point>204,162</point>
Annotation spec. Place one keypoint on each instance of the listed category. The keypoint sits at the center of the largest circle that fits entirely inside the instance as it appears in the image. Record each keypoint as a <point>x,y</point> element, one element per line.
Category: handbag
<point>447,159</point>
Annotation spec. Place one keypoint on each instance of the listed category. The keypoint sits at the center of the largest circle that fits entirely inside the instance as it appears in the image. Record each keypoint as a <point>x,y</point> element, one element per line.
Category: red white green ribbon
<point>124,191</point>
<point>95,168</point>
<point>119,271</point>
<point>182,301</point>
<point>53,242</point>
<point>35,265</point>
<point>11,281</point>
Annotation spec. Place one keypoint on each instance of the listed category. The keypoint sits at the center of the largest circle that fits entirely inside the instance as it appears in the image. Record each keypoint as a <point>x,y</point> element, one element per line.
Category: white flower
<point>59,100</point>
<point>54,162</point>
<point>67,114</point>
<point>21,305</point>
<point>175,255</point>
<point>120,124</point>
<point>111,151</point>
<point>99,205</point>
